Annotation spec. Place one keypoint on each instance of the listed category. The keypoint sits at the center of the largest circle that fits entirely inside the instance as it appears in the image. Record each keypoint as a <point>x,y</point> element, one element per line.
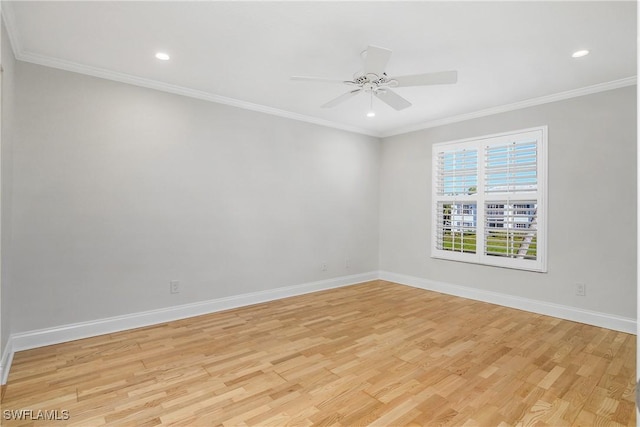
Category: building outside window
<point>489,197</point>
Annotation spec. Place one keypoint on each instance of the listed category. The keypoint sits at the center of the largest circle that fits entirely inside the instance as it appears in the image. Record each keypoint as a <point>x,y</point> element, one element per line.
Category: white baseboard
<point>5,362</point>
<point>55,335</point>
<point>595,318</point>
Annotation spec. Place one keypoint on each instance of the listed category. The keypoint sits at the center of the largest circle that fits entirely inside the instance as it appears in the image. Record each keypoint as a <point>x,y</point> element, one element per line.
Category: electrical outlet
<point>581,289</point>
<point>323,266</point>
<point>174,287</point>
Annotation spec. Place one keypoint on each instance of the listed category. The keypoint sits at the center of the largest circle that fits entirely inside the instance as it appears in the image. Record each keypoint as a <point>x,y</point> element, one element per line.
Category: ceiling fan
<point>373,80</point>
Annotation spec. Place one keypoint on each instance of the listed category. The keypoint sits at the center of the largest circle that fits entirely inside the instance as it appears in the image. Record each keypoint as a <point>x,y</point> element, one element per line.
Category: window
<point>489,200</point>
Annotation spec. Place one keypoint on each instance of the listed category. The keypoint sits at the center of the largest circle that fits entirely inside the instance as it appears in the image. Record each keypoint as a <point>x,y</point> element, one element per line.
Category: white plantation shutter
<point>456,226</point>
<point>456,214</point>
<point>511,229</point>
<point>457,172</point>
<point>511,168</point>
<point>489,198</point>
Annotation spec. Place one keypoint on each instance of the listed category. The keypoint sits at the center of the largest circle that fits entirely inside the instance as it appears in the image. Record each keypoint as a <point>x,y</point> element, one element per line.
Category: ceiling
<point>507,54</point>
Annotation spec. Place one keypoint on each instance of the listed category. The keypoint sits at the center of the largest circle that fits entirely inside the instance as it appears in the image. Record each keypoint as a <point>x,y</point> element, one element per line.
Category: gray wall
<point>8,65</point>
<point>113,190</point>
<point>119,189</point>
<point>592,204</point>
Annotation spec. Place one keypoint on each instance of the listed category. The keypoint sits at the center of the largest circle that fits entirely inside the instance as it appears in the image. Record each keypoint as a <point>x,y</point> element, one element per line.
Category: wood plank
<point>375,353</point>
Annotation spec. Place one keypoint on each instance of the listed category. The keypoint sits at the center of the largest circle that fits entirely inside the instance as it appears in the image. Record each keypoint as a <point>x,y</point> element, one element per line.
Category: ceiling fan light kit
<point>371,113</point>
<point>374,80</point>
<point>580,53</point>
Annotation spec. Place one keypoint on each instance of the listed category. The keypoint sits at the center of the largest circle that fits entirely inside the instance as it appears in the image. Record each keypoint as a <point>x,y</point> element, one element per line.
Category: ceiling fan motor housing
<point>371,82</point>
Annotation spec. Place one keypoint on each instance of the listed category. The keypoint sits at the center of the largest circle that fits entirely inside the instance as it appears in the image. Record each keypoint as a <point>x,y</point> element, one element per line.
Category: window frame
<point>482,198</point>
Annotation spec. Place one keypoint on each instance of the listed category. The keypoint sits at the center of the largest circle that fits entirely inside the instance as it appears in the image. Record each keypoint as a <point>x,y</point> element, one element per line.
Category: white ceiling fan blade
<point>341,98</point>
<point>318,79</point>
<point>392,99</point>
<point>442,77</point>
<point>376,60</point>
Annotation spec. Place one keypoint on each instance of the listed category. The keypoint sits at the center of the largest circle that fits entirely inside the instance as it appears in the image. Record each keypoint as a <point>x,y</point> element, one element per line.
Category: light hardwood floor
<point>376,353</point>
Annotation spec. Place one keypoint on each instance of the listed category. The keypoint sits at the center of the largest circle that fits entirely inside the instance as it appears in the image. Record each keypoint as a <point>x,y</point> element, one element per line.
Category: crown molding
<point>61,64</point>
<point>22,55</point>
<point>206,96</point>
<point>588,90</point>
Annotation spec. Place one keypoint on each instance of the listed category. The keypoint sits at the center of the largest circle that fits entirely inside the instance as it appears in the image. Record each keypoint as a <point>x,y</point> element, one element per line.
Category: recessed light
<point>580,53</point>
<point>371,114</point>
<point>162,56</point>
